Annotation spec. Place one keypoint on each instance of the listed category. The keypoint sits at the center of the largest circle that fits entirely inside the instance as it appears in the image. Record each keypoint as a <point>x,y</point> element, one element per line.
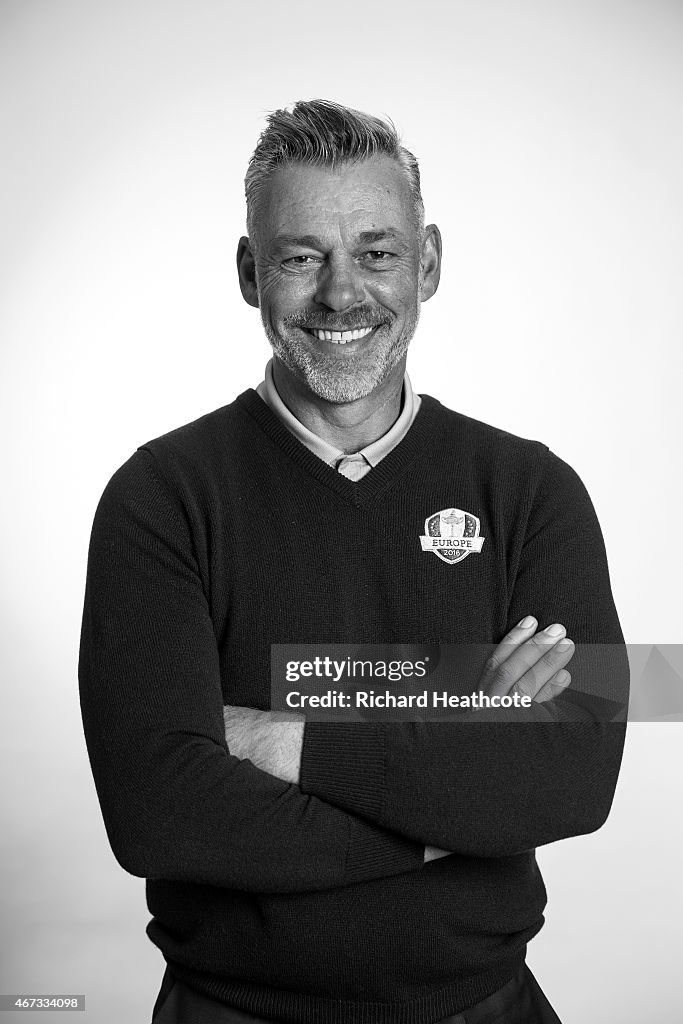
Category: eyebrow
<point>313,242</point>
<point>367,237</point>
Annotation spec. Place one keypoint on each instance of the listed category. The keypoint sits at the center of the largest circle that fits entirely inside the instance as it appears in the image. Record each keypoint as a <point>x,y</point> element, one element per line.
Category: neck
<point>349,426</point>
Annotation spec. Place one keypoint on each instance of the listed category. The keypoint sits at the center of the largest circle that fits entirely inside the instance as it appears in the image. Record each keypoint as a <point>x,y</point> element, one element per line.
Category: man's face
<point>338,275</point>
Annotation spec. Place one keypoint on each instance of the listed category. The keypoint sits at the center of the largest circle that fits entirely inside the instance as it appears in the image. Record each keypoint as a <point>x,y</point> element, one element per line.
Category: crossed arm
<point>179,804</point>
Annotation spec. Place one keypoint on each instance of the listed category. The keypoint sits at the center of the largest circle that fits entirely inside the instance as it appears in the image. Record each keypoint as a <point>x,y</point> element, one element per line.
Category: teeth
<point>341,337</point>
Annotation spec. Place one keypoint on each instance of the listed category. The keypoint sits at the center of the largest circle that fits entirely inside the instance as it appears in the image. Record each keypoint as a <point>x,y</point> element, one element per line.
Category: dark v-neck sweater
<point>312,903</point>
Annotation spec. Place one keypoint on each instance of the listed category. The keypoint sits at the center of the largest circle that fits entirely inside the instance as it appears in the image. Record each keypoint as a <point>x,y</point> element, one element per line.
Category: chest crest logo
<point>452,535</point>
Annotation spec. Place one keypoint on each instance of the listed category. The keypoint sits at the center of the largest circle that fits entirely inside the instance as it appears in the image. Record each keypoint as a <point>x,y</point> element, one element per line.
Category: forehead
<point>368,194</point>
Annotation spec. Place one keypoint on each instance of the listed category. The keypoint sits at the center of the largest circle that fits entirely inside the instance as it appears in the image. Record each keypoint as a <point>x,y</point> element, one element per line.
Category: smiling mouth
<point>340,337</point>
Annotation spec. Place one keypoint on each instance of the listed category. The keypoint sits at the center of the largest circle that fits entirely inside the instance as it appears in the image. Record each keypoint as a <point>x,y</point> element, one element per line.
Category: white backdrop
<point>549,139</point>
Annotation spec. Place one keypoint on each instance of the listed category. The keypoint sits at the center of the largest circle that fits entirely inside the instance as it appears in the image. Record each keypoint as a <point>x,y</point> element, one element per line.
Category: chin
<point>338,381</point>
<point>340,385</point>
<point>339,392</point>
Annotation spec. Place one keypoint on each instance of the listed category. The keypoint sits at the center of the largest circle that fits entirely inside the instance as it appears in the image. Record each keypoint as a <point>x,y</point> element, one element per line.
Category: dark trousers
<point>520,1001</point>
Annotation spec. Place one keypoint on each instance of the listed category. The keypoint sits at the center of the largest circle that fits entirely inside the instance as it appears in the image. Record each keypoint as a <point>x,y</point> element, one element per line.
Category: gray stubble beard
<point>361,374</point>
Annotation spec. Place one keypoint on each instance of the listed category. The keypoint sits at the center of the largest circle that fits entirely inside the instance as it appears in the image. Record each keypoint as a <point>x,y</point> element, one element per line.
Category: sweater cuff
<point>376,853</point>
<point>344,765</point>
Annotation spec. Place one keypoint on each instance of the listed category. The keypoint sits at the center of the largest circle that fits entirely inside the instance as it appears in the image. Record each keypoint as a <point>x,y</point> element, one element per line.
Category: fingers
<point>553,660</point>
<point>554,687</point>
<point>518,635</point>
<point>527,665</point>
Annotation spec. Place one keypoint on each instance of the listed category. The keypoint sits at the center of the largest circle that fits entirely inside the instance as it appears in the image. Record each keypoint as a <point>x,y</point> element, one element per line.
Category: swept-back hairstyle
<point>326,134</point>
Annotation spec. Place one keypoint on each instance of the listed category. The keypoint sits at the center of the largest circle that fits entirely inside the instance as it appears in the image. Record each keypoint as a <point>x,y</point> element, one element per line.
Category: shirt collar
<point>373,453</point>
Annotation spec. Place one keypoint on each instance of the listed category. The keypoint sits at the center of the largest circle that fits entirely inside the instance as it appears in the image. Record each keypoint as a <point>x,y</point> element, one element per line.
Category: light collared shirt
<point>354,466</point>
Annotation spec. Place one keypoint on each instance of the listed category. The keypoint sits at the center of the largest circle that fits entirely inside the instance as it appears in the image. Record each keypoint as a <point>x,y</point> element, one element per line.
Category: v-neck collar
<point>357,492</point>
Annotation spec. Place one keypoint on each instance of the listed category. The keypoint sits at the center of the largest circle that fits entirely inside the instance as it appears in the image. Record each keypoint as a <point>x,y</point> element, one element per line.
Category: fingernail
<point>562,676</point>
<point>565,643</point>
<point>527,621</point>
<point>555,630</point>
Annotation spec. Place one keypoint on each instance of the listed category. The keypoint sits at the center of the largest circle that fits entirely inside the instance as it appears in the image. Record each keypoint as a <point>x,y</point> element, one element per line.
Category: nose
<point>338,285</point>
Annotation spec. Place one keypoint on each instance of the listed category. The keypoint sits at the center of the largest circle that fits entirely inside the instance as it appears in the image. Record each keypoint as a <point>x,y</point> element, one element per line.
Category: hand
<point>266,739</point>
<point>433,853</point>
<point>531,664</point>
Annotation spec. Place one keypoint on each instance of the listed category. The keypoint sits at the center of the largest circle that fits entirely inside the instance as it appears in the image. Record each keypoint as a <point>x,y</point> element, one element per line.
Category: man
<point>338,872</point>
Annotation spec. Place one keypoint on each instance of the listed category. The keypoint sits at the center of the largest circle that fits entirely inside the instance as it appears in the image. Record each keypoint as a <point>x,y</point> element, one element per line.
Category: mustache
<point>362,316</point>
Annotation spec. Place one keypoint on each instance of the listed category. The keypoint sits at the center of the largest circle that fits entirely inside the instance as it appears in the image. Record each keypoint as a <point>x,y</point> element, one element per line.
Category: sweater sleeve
<point>494,788</point>
<point>176,804</point>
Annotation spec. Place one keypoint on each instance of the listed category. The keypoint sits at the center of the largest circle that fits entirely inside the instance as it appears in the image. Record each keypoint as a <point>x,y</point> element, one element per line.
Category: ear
<point>246,270</point>
<point>430,262</point>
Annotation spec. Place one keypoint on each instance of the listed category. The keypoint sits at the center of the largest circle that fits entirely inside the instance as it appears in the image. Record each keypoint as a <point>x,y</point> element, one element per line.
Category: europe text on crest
<point>452,535</point>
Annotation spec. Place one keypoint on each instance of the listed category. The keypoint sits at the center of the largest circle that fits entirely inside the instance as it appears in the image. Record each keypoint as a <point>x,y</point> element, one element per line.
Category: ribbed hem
<point>345,764</point>
<point>298,1008</point>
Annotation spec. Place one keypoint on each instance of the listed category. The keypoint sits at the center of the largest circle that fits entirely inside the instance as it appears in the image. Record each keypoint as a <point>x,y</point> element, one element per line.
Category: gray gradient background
<point>549,136</point>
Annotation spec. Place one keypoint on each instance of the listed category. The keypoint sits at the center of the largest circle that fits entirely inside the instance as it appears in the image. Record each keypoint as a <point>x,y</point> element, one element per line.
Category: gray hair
<point>326,134</point>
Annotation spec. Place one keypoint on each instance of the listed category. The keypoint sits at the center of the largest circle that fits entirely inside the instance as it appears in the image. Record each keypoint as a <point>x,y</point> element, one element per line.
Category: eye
<point>378,256</point>
<point>302,261</point>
